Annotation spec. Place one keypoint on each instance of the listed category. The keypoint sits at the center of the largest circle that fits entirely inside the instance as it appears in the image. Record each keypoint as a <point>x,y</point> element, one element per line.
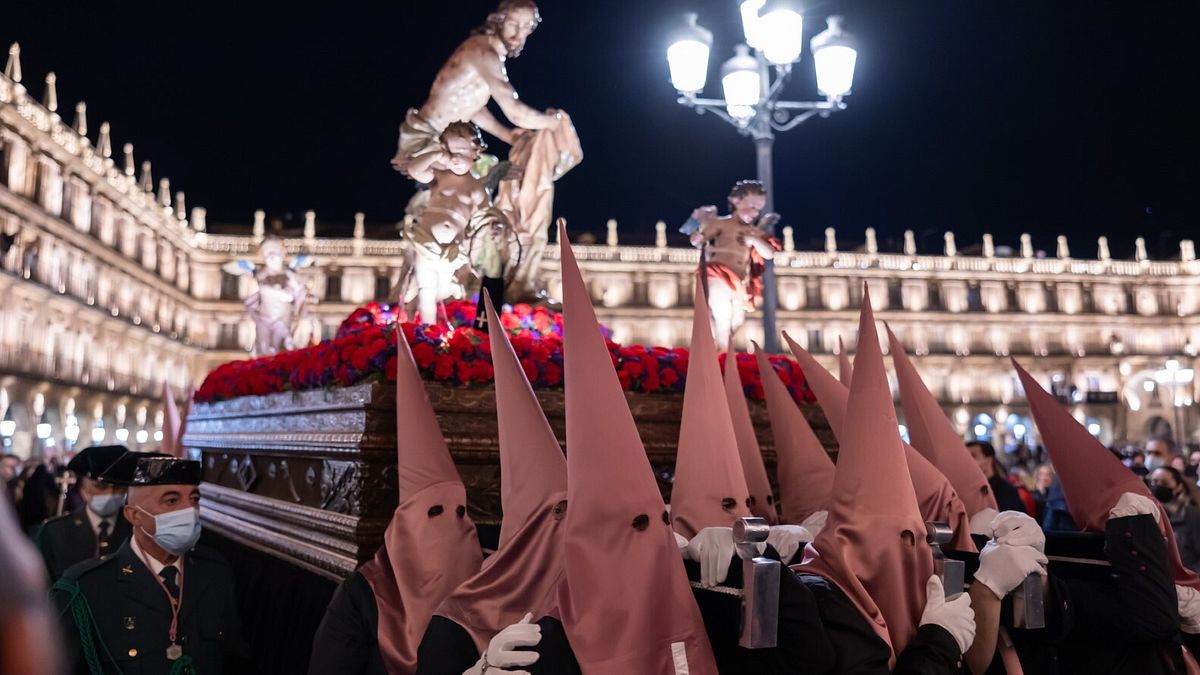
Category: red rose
<point>481,371</point>
<point>389,370</point>
<point>443,367</point>
<point>626,381</point>
<point>553,374</point>
<point>423,354</point>
<point>530,368</point>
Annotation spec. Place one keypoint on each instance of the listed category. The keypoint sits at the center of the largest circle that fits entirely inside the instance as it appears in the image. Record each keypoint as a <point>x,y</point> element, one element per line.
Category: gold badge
<point>132,652</point>
<point>126,570</point>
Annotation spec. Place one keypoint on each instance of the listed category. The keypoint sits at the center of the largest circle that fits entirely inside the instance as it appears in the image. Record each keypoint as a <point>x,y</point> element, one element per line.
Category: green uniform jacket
<point>133,617</point>
<point>69,539</point>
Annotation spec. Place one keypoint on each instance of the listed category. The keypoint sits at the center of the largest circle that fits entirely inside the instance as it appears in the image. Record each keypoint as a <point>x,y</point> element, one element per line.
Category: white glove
<point>955,616</point>
<point>787,539</point>
<point>981,522</point>
<point>501,652</point>
<point>1132,504</point>
<point>815,522</point>
<point>682,542</point>
<point>1189,609</point>
<point>1002,567</point>
<point>713,548</point>
<point>1017,529</point>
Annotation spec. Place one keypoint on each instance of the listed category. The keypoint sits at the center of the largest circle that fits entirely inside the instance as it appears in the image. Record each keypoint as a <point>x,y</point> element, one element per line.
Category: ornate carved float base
<point>310,477</point>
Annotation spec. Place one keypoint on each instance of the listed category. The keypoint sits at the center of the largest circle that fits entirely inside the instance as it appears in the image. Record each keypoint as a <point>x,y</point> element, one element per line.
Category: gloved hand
<point>713,548</point>
<point>956,616</point>
<point>1002,567</point>
<point>1133,504</point>
<point>682,542</point>
<point>1017,529</point>
<point>787,539</point>
<point>1189,609</point>
<point>981,522</point>
<point>501,652</point>
<point>815,522</point>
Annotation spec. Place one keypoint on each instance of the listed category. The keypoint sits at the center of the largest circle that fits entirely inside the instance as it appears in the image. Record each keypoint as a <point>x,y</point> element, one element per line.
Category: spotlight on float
<point>43,430</point>
<point>8,428</point>
<point>122,434</point>
<point>98,434</point>
<point>142,436</point>
<point>158,436</point>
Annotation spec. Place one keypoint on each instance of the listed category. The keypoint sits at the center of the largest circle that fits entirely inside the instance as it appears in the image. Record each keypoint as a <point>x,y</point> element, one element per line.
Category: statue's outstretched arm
<point>491,68</point>
<point>485,120</point>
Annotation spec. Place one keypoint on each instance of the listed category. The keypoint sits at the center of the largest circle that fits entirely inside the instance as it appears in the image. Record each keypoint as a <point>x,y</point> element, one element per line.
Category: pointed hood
<point>804,468</point>
<point>171,425</point>
<point>431,518</point>
<point>934,436</point>
<point>710,485</point>
<point>935,495</point>
<point>183,419</point>
<point>762,498</point>
<point>524,574</point>
<point>625,603</point>
<point>845,370</point>
<point>873,546</point>
<point>1092,478</point>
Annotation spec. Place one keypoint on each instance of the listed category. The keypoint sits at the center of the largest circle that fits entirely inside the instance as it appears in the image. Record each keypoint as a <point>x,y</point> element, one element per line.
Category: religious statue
<point>459,212</point>
<point>279,302</point>
<point>733,250</point>
<point>544,144</point>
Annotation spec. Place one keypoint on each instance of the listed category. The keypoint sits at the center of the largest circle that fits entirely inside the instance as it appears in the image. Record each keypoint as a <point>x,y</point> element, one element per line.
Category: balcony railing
<point>36,363</point>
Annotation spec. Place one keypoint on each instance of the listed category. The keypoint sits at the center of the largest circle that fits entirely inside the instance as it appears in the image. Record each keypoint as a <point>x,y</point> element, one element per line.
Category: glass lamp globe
<point>780,32</point>
<point>834,56</point>
<point>742,83</point>
<point>687,56</point>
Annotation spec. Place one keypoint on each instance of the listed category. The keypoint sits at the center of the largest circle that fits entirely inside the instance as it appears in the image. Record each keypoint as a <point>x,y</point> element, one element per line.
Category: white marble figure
<point>278,304</point>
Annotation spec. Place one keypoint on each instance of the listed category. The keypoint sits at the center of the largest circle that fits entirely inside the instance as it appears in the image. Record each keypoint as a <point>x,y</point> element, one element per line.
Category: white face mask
<point>1154,462</point>
<point>176,531</point>
<point>106,506</point>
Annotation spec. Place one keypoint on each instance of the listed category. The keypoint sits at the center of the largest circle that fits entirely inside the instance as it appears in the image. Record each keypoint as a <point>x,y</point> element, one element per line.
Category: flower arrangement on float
<point>364,350</point>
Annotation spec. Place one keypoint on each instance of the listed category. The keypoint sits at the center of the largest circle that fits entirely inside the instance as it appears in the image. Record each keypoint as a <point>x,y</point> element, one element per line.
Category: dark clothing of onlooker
<point>1007,497</point>
<point>1186,523</point>
<point>1058,516</point>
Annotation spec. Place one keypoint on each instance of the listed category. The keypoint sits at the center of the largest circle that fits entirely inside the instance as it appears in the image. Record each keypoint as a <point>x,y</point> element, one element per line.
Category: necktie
<point>169,576</point>
<point>102,537</point>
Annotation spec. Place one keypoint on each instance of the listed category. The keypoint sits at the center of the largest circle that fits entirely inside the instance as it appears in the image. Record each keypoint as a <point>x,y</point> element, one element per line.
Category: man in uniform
<point>157,604</point>
<point>97,527</point>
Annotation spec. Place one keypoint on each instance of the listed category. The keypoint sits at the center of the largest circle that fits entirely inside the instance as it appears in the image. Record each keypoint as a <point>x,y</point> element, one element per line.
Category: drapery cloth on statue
<point>545,155</point>
<point>748,286</point>
<point>418,138</point>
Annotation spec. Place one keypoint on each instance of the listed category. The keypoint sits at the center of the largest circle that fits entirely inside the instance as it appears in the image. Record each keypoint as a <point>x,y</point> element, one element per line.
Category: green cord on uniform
<point>85,622</point>
<point>89,633</point>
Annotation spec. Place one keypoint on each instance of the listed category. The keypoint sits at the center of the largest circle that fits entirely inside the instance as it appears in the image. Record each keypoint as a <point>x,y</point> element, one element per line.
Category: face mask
<point>1163,494</point>
<point>1154,462</point>
<point>176,531</point>
<point>106,505</point>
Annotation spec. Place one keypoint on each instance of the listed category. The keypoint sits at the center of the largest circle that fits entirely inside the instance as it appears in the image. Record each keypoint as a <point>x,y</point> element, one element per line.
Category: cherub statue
<point>459,208</point>
<point>279,300</point>
<point>733,251</point>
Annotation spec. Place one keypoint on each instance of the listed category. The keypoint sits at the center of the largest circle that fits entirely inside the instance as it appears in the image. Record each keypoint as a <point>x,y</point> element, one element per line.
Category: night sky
<point>1005,117</point>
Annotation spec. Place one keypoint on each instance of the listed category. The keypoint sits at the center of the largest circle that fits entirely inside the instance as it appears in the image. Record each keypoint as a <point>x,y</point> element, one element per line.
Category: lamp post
<point>1176,380</point>
<point>752,99</point>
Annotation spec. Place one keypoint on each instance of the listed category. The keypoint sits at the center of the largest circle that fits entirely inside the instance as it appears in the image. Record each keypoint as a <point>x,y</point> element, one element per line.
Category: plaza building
<point>110,286</point>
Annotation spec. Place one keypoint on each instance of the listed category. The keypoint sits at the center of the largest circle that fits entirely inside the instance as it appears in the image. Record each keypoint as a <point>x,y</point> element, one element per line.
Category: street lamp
<point>1175,379</point>
<point>774,32</point>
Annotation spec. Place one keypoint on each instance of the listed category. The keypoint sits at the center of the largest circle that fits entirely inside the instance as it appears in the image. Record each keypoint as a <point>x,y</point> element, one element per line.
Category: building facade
<point>110,286</point>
